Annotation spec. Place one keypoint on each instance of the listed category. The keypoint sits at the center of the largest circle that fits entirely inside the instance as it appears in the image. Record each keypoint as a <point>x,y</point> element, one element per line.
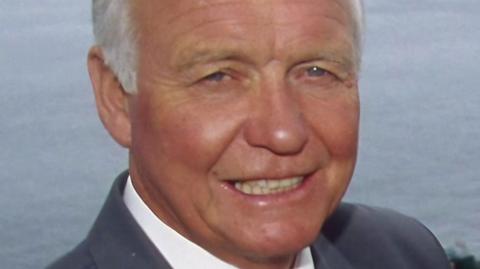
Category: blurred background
<point>420,134</point>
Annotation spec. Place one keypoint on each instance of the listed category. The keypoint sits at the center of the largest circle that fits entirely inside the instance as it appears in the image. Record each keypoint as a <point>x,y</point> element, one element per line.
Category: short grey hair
<point>358,30</point>
<point>114,33</point>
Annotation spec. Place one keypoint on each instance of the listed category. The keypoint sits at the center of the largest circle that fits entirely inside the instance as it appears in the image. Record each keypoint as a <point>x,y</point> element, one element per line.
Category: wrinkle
<point>205,6</point>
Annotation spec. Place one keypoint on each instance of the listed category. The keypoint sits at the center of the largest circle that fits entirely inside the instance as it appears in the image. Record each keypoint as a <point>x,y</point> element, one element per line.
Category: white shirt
<point>180,252</point>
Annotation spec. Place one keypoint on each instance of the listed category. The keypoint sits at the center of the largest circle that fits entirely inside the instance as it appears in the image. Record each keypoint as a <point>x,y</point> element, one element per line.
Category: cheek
<point>189,135</point>
<point>336,124</point>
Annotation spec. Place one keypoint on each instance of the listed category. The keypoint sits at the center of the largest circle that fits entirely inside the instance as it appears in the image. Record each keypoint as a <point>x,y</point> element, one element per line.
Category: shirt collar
<point>173,245</point>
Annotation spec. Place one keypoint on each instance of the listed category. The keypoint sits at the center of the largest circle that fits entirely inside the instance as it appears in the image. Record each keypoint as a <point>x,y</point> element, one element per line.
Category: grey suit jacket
<point>354,237</point>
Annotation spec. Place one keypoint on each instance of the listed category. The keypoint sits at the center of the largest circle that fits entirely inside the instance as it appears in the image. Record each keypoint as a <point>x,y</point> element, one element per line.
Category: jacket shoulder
<point>78,258</point>
<point>383,238</point>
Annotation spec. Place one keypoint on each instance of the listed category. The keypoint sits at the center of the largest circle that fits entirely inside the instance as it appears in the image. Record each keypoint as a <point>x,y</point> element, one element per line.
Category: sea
<point>419,148</point>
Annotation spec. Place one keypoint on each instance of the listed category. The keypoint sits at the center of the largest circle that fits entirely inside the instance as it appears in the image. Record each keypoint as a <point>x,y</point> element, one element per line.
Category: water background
<point>420,134</point>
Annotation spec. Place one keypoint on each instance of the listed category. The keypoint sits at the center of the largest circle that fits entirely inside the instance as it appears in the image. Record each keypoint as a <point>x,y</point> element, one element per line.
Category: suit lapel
<point>326,255</point>
<point>116,241</point>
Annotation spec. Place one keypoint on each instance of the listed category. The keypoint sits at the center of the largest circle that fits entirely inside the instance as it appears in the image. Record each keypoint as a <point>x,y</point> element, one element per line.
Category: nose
<point>276,122</point>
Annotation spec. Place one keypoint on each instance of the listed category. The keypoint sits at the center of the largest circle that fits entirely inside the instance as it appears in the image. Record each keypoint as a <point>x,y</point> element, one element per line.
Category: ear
<point>110,98</point>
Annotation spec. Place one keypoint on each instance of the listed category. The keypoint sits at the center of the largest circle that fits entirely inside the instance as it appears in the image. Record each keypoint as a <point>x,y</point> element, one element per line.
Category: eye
<point>314,75</point>
<point>316,71</point>
<point>216,77</point>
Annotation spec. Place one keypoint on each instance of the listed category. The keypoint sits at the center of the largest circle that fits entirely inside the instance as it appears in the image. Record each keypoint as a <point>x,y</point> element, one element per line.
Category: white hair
<point>115,35</point>
<point>358,29</point>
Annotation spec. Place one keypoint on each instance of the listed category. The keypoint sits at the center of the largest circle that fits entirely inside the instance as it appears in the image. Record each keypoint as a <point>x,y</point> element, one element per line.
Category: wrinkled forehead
<point>165,13</point>
<point>268,29</point>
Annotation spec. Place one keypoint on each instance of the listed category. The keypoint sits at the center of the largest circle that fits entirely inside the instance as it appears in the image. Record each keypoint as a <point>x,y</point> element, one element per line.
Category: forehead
<point>267,11</point>
<point>240,24</point>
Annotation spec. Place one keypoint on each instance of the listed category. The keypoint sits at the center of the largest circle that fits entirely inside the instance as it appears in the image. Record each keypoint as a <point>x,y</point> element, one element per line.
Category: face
<point>244,127</point>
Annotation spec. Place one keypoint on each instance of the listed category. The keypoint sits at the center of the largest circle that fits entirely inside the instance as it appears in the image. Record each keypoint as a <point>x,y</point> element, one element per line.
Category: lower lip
<point>297,193</point>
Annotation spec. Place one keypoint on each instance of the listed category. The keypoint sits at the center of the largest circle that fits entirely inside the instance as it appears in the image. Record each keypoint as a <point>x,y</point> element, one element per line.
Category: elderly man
<point>241,119</point>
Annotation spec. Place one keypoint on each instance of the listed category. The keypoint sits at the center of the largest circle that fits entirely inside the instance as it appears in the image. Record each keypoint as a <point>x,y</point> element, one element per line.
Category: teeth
<point>268,186</point>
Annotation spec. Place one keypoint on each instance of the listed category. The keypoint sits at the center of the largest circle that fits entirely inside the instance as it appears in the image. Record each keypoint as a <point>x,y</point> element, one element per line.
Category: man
<point>241,119</point>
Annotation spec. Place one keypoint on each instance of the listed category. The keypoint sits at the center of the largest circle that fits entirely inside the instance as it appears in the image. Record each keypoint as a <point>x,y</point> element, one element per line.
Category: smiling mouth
<point>268,186</point>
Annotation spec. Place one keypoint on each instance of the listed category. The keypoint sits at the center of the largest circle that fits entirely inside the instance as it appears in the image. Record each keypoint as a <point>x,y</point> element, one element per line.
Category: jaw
<point>267,249</point>
<point>269,227</point>
<point>250,231</point>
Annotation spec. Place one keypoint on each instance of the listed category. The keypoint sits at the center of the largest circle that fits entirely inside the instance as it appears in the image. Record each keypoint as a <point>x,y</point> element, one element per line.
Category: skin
<point>238,90</point>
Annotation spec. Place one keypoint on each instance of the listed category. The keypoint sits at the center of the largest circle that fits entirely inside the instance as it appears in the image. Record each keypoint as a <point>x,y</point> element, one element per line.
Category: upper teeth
<point>268,186</point>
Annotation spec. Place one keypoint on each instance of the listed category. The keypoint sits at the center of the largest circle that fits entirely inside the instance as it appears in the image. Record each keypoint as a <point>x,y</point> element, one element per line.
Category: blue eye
<point>217,76</point>
<point>316,71</point>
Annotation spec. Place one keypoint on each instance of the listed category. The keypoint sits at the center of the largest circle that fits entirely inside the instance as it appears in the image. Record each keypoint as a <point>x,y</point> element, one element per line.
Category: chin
<point>278,240</point>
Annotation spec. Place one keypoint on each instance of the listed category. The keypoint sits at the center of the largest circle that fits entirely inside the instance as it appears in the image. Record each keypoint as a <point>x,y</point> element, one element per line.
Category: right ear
<point>110,97</point>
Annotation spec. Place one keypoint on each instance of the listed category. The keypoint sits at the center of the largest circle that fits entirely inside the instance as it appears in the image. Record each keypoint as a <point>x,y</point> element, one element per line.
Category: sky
<point>419,147</point>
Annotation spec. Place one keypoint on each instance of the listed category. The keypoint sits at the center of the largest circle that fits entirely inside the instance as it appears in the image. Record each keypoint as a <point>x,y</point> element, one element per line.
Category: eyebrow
<point>203,53</point>
<point>347,62</point>
<point>208,52</point>
<point>336,55</point>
